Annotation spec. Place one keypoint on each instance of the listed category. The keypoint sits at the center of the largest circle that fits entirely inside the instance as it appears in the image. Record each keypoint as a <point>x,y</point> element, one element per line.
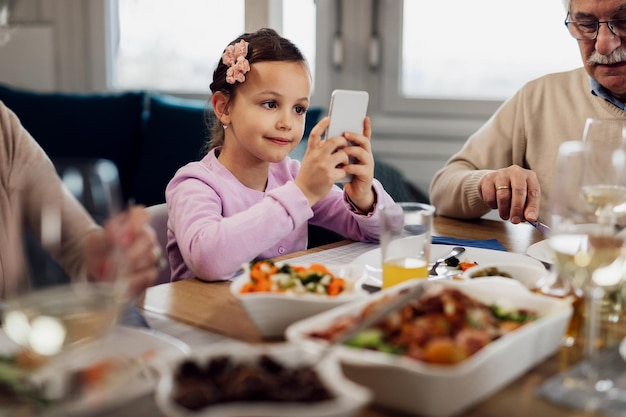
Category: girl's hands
<point>327,161</point>
<point>318,171</point>
<point>360,188</point>
<point>126,248</point>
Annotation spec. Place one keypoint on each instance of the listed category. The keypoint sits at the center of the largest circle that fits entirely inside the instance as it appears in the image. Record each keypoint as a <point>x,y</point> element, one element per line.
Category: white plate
<point>124,344</point>
<point>541,251</point>
<point>371,260</point>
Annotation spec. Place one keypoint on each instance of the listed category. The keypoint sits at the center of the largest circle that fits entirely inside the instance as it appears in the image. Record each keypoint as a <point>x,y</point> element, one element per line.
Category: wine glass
<point>607,131</point>
<point>52,313</point>
<point>586,208</point>
<point>610,132</point>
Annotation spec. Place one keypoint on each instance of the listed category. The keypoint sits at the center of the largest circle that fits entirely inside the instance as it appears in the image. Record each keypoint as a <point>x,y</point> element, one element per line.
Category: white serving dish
<point>430,390</point>
<point>530,275</point>
<point>272,312</point>
<point>349,397</point>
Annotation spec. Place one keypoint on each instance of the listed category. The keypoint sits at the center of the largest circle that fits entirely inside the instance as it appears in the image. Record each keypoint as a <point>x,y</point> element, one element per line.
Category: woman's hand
<point>126,248</point>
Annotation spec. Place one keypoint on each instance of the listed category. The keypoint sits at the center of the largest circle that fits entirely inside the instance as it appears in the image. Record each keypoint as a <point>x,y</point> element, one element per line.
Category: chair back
<point>158,221</point>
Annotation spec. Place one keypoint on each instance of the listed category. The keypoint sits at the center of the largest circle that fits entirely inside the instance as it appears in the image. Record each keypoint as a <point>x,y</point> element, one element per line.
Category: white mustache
<point>618,55</point>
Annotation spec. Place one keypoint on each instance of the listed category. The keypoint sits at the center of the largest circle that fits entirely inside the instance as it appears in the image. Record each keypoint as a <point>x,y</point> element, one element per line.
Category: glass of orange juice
<point>405,241</point>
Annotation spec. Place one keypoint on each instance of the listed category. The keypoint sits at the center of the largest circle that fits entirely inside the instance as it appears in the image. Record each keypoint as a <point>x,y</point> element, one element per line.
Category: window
<point>482,51</point>
<point>165,46</point>
<point>440,59</point>
<point>175,46</point>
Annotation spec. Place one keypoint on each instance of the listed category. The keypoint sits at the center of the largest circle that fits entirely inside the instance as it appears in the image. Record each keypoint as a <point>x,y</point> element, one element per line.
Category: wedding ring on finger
<point>502,187</point>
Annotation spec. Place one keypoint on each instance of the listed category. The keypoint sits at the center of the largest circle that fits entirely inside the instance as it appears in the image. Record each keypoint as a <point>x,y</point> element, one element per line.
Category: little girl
<point>246,199</point>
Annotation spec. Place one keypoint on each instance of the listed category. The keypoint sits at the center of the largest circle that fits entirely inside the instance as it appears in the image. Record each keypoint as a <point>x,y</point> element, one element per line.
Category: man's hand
<point>514,191</point>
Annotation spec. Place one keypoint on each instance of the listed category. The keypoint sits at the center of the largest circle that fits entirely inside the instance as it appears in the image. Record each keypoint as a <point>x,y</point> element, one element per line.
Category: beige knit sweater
<point>27,181</point>
<point>526,131</point>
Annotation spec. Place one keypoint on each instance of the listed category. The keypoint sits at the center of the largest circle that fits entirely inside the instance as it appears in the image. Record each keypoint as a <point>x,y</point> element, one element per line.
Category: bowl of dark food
<point>277,380</point>
<point>443,351</point>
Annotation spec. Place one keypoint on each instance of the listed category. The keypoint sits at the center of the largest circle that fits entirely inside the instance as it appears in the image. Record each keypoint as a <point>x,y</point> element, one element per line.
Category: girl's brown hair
<point>263,45</point>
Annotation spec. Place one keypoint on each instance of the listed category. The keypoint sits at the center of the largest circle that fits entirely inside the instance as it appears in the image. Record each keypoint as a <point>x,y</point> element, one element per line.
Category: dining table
<point>200,313</point>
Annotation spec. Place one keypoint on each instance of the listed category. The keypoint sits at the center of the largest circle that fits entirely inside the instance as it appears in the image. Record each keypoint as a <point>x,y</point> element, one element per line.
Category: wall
<point>59,38</point>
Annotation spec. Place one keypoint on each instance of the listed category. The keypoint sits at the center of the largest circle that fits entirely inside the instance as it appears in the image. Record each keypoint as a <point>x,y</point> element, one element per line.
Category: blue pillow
<point>313,115</point>
<point>176,133</point>
<point>73,125</point>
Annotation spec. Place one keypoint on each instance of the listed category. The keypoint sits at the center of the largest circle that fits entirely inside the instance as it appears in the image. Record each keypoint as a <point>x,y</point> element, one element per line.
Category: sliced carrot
<point>262,270</point>
<point>256,274</point>
<point>336,286</point>
<point>263,285</point>
<point>247,287</point>
<point>319,268</point>
<point>466,265</point>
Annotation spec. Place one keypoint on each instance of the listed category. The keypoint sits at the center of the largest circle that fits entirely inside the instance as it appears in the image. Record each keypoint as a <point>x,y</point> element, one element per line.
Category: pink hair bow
<point>235,57</point>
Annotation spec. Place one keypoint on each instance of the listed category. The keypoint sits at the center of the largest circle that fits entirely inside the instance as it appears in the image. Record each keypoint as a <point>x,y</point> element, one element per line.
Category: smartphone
<point>347,111</point>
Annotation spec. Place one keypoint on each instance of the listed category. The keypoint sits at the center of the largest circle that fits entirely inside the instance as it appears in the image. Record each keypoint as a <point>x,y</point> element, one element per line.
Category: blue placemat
<point>474,243</point>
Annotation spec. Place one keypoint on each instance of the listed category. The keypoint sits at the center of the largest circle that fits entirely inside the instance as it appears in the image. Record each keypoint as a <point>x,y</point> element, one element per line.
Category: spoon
<point>457,250</point>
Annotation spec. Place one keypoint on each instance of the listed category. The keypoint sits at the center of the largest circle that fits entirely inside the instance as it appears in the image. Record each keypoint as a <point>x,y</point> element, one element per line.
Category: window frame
<point>392,102</point>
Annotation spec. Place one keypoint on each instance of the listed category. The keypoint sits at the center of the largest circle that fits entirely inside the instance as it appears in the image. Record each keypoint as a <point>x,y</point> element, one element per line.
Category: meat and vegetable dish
<point>444,327</point>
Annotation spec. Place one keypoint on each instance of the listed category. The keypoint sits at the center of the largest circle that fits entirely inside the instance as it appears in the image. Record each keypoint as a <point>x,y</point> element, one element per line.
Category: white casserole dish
<point>430,390</point>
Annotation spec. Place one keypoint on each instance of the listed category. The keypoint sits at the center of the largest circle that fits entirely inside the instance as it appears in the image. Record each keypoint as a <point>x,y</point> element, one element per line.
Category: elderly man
<point>508,164</point>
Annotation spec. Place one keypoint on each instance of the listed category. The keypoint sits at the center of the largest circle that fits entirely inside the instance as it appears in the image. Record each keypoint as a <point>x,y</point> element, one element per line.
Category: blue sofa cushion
<point>313,115</point>
<point>176,133</point>
<point>83,125</point>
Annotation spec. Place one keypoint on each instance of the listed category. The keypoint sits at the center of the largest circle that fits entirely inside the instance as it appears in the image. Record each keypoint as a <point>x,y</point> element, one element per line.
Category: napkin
<point>474,243</point>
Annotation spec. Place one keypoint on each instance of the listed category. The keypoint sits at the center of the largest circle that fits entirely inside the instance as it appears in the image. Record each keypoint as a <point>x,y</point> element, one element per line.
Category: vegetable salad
<point>265,276</point>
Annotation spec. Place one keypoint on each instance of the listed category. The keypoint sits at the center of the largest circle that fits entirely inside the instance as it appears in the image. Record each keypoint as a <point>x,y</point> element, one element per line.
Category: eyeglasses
<point>588,30</point>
